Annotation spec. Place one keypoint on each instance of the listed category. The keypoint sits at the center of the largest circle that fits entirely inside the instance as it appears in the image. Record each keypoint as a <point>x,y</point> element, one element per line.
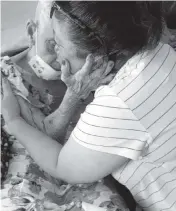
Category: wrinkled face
<point>45,44</point>
<point>65,48</point>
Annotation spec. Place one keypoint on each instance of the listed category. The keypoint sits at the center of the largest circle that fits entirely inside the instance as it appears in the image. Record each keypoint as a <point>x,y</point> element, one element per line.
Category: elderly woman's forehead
<point>61,30</point>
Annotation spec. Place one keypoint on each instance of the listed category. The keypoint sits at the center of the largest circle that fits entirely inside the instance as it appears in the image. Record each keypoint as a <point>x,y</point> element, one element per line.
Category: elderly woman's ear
<point>31,28</point>
<point>22,43</point>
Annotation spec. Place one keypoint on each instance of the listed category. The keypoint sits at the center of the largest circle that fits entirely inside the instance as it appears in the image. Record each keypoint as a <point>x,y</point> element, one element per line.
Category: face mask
<point>39,66</point>
<point>43,70</point>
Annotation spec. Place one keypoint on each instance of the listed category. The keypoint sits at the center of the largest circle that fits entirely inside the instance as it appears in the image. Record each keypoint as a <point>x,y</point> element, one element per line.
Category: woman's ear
<point>31,28</point>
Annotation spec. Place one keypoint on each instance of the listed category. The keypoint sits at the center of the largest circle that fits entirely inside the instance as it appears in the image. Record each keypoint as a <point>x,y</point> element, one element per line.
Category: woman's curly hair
<point>124,26</point>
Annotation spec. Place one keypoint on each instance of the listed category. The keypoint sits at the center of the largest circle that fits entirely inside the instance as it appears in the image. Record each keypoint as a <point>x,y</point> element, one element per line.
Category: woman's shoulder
<point>141,79</point>
<point>143,69</point>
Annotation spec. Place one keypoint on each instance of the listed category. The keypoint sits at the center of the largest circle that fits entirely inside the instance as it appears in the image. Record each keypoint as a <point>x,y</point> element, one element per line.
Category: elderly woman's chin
<point>55,65</point>
<point>44,68</point>
<point>55,73</point>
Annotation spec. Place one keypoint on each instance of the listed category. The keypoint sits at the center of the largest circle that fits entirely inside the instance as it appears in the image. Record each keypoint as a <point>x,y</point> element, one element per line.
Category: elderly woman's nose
<point>50,44</point>
<point>56,48</point>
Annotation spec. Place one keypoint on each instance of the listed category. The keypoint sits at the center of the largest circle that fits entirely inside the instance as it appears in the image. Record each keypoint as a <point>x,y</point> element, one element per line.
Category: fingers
<point>172,37</point>
<point>98,73</point>
<point>107,80</point>
<point>87,67</point>
<point>173,44</point>
<point>104,70</point>
<point>99,61</point>
<point>65,70</point>
<point>109,68</point>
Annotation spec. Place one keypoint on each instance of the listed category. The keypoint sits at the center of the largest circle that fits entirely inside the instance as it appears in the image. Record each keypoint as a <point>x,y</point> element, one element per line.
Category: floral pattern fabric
<point>29,188</point>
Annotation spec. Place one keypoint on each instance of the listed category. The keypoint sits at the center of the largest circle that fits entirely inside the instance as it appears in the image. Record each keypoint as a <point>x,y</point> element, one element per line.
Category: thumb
<point>65,70</point>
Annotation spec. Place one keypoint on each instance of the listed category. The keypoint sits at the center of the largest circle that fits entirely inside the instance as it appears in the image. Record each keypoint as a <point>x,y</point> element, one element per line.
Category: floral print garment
<point>29,188</point>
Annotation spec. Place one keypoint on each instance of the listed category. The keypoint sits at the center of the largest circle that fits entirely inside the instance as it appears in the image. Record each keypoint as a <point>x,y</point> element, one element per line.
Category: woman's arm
<point>71,163</point>
<point>21,45</point>
<point>43,149</point>
<point>46,151</point>
<point>56,124</point>
<point>79,87</point>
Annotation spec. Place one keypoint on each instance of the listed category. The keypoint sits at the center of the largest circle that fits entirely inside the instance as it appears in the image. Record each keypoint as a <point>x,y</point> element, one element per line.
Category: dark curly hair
<point>125,27</point>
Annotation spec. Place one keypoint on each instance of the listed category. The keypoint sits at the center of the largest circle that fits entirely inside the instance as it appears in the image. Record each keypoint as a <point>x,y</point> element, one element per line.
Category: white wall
<point>14,15</point>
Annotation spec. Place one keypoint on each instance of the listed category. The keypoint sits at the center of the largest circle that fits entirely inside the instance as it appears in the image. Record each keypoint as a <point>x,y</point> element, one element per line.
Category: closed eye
<point>56,40</point>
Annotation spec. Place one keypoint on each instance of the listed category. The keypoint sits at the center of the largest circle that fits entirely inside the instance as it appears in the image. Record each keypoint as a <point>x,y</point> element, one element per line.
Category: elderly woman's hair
<point>124,26</point>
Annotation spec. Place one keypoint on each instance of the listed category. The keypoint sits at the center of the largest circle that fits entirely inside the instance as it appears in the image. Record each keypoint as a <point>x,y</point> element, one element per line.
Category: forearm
<point>13,51</point>
<point>43,149</point>
<point>57,123</point>
<point>16,48</point>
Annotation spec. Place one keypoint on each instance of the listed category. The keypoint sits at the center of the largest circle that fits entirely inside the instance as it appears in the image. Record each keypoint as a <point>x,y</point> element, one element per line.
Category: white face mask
<point>43,70</point>
<point>39,66</point>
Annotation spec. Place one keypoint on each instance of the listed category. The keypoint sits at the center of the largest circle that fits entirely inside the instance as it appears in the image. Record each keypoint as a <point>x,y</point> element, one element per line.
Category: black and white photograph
<point>88,105</point>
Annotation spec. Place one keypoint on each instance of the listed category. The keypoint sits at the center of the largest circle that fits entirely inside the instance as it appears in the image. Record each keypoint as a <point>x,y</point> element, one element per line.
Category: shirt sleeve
<point>108,125</point>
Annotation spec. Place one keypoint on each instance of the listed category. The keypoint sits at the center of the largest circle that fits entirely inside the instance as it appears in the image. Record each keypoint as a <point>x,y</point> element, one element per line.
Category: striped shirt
<point>135,117</point>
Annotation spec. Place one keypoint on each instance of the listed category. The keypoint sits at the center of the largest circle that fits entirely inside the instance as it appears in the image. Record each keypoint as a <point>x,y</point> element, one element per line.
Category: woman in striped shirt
<point>129,129</point>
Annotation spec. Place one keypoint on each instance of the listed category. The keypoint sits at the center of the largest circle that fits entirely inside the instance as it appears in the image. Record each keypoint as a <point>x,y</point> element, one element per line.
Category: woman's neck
<point>121,60</point>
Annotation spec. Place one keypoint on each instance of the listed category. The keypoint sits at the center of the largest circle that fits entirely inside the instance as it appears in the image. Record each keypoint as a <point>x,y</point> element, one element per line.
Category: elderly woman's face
<point>65,49</point>
<point>45,44</point>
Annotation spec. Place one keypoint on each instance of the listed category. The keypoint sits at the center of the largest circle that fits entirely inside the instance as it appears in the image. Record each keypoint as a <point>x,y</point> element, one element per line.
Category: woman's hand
<point>10,106</point>
<point>172,41</point>
<point>84,81</point>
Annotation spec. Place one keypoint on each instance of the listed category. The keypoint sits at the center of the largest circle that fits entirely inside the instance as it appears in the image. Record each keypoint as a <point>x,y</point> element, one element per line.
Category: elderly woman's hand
<point>9,103</point>
<point>172,41</point>
<point>85,80</point>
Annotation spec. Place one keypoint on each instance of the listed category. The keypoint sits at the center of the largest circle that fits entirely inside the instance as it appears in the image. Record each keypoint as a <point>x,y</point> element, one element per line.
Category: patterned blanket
<point>29,188</point>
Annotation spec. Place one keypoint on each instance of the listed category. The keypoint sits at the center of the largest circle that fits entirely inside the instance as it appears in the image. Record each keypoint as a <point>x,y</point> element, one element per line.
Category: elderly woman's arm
<point>72,163</point>
<point>55,125</point>
<point>46,151</point>
<point>15,48</point>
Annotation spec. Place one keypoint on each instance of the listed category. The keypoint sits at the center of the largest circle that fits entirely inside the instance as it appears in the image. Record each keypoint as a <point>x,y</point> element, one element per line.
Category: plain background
<point>14,15</point>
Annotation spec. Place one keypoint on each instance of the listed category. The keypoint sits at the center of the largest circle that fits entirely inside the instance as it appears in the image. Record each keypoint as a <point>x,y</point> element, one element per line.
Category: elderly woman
<point>129,128</point>
<point>45,85</point>
<point>41,72</point>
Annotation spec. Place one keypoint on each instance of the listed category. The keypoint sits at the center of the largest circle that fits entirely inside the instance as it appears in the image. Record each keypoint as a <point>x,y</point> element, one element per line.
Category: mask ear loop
<point>36,40</point>
<point>52,11</point>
